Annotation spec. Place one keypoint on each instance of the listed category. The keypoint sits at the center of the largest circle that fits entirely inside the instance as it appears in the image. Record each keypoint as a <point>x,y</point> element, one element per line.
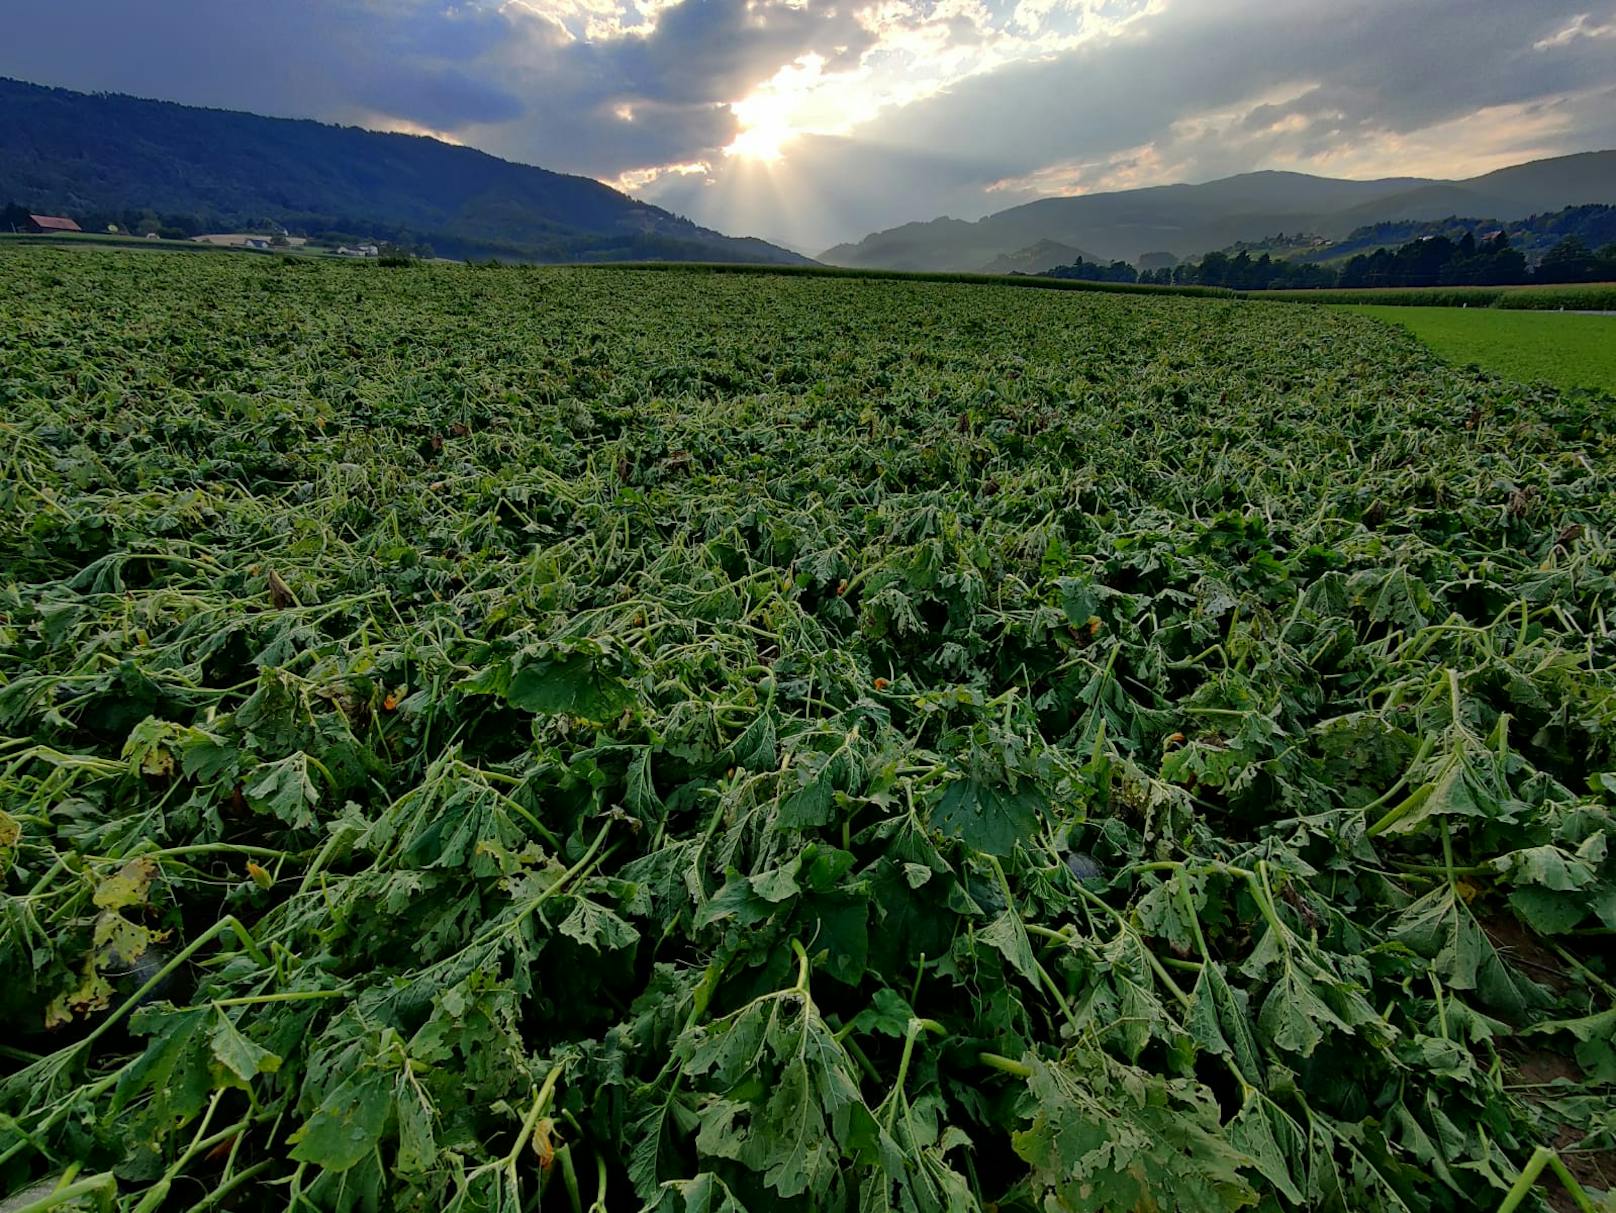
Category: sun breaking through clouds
<point>812,121</point>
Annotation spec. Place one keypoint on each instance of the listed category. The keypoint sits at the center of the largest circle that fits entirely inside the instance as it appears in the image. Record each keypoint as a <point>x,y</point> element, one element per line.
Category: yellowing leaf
<point>128,887</point>
<point>92,994</point>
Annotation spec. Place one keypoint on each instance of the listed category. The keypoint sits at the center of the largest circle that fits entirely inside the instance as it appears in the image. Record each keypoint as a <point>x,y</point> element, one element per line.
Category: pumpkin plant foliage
<point>477,737</point>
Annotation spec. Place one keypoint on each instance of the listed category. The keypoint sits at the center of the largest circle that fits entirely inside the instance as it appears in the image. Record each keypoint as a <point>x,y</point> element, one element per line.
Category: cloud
<point>1201,90</point>
<point>441,99</point>
<point>879,110</point>
<point>414,61</point>
<point>717,50</point>
<point>1579,28</point>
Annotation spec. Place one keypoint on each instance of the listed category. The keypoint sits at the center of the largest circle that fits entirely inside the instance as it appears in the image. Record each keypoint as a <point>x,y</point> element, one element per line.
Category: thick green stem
<point>1402,809</point>
<point>1009,1065</point>
<point>1420,755</point>
<point>600,1185</point>
<point>1545,1157</point>
<point>223,1190</point>
<point>252,1000</point>
<point>104,1188</point>
<point>585,862</point>
<point>1447,856</point>
<point>540,1102</point>
<point>228,923</point>
<point>200,848</point>
<point>802,968</point>
<point>1188,904</point>
<point>916,1027</point>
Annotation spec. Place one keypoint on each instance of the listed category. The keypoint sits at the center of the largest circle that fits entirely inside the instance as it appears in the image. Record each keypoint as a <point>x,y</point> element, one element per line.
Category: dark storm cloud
<point>716,50</point>
<point>442,99</point>
<point>300,58</point>
<point>674,82</point>
<point>508,74</point>
<point>1395,65</point>
<point>1185,96</point>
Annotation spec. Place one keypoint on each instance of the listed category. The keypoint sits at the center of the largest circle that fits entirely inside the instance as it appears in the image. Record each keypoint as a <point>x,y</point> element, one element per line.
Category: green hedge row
<point>1599,296</point>
<point>841,271</point>
<point>1586,297</point>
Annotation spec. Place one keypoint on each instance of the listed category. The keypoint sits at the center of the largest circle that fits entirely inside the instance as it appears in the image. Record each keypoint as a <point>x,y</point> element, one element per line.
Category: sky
<point>816,121</point>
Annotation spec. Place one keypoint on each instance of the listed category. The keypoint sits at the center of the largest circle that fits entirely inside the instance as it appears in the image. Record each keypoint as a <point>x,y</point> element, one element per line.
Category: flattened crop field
<point>717,742</point>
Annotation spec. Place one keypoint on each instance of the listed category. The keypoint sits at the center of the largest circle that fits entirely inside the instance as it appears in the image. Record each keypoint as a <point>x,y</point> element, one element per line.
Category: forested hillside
<point>90,155</point>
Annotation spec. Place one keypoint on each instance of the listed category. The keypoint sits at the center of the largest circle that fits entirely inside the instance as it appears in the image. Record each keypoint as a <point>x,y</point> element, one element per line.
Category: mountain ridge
<point>62,150</point>
<point>1188,219</point>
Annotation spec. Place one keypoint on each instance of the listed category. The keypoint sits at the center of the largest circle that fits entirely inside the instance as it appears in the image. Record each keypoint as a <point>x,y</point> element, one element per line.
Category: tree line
<point>1430,261</point>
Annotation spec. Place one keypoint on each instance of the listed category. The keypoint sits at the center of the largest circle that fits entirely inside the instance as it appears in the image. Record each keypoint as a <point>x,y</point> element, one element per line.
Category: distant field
<point>1564,349</point>
<point>960,277</point>
<point>1598,296</point>
<point>108,240</point>
<point>1580,296</point>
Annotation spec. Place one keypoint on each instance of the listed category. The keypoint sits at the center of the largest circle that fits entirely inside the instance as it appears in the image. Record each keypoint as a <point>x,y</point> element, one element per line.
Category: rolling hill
<point>1189,219</point>
<point>1592,223</point>
<point>1035,258</point>
<point>77,153</point>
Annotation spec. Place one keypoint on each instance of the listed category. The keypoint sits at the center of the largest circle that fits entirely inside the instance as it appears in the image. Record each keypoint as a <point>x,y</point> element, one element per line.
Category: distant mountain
<point>74,153</point>
<point>1187,220</point>
<point>1594,224</point>
<point>1507,193</point>
<point>1036,258</point>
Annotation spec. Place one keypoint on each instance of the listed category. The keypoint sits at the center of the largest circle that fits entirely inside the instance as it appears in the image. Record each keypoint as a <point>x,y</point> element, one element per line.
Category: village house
<point>42,225</point>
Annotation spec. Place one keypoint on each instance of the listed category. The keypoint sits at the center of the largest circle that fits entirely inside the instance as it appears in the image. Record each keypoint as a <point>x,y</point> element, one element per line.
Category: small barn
<point>46,224</point>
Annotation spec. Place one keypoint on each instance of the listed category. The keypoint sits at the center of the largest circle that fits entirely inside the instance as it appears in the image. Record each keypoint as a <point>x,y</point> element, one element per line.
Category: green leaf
<point>348,1125</point>
<point>1596,1037</point>
<point>596,927</point>
<point>1547,866</point>
<point>777,884</point>
<point>237,1054</point>
<point>1220,1022</point>
<point>704,1194</point>
<point>1294,1015</point>
<point>810,804</point>
<point>174,1064</point>
<point>285,789</point>
<point>818,777</point>
<point>650,1153</point>
<point>737,899</point>
<point>756,749</point>
<point>986,817</point>
<point>417,1145</point>
<point>573,684</point>
<point>1106,1137</point>
<point>838,924</point>
<point>1441,928</point>
<point>1457,792</point>
<point>1007,934</point>
<point>1547,912</point>
<point>1272,1140</point>
<point>888,1014</point>
<point>1600,1025</point>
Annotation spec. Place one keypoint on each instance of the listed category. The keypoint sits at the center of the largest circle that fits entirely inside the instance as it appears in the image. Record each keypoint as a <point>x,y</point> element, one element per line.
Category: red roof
<point>54,223</point>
